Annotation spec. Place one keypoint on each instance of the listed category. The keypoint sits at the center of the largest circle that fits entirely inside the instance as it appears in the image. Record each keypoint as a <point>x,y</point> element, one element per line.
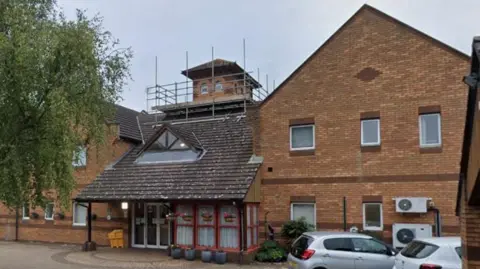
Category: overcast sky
<point>280,34</point>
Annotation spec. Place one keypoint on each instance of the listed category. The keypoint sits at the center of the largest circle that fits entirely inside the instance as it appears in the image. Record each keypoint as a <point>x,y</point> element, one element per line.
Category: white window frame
<point>372,228</point>
<point>202,87</point>
<point>439,118</point>
<point>300,126</point>
<point>53,211</point>
<point>76,163</point>
<point>73,216</point>
<point>220,89</point>
<point>305,203</point>
<point>23,212</point>
<point>378,133</point>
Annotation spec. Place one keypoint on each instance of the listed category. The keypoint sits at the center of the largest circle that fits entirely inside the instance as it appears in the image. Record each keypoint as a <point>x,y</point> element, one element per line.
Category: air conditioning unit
<point>405,233</point>
<point>411,204</point>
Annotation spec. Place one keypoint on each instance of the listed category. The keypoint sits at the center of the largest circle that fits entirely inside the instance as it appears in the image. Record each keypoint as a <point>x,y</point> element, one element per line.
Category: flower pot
<point>221,257</point>
<point>207,218</point>
<point>176,253</point>
<point>187,218</point>
<point>229,219</point>
<point>206,256</point>
<point>190,254</point>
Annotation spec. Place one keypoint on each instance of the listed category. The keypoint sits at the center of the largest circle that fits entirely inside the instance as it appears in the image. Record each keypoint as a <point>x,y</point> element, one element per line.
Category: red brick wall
<point>58,230</point>
<point>414,71</point>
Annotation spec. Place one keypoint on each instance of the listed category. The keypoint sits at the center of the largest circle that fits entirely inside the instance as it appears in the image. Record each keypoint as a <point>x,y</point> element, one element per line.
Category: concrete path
<point>54,256</point>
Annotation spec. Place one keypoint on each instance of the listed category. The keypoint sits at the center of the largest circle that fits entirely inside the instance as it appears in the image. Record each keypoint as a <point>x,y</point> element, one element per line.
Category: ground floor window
<point>184,225</point>
<point>252,225</point>
<point>229,226</point>
<point>372,216</point>
<point>26,211</point>
<point>80,214</point>
<point>206,226</point>
<point>305,210</point>
<point>49,211</point>
<point>210,226</point>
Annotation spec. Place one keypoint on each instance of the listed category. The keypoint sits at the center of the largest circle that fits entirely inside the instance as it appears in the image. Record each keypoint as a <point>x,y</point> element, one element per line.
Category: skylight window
<point>168,148</point>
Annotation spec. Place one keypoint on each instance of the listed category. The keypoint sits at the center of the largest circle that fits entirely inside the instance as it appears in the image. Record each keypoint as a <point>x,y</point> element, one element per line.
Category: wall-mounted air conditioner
<point>411,204</point>
<point>405,233</point>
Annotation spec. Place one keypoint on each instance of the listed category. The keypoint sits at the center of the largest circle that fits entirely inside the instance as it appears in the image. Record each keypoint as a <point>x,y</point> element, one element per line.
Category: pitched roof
<point>208,65</point>
<point>224,171</point>
<point>126,118</point>
<point>469,121</point>
<point>364,8</point>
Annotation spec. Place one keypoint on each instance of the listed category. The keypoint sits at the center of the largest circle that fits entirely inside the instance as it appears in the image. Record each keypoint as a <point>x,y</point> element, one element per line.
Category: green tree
<point>59,79</point>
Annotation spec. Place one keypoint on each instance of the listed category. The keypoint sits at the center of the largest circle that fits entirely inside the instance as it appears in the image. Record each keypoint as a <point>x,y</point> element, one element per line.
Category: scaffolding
<point>239,90</point>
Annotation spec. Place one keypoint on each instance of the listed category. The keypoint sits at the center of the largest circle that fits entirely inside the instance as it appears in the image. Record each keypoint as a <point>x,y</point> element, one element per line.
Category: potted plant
<point>206,216</point>
<point>190,254</point>
<point>187,217</point>
<point>206,255</point>
<point>220,257</point>
<point>228,217</point>
<point>176,251</point>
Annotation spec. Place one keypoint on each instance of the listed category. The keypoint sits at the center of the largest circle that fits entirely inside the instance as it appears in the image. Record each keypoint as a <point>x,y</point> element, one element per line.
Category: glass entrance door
<point>150,226</point>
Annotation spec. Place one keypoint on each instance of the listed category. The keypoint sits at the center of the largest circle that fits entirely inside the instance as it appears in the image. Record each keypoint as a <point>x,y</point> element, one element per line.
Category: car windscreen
<point>418,250</point>
<point>300,245</point>
<point>459,251</point>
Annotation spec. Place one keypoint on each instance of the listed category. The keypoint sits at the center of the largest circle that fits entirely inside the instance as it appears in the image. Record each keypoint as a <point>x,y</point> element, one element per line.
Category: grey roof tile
<point>224,171</point>
<point>127,121</point>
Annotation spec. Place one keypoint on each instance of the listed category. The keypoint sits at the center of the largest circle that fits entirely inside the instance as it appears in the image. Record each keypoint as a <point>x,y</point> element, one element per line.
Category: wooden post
<point>89,222</point>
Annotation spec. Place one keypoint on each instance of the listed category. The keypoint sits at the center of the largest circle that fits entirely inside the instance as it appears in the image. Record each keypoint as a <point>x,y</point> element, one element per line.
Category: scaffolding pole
<point>213,81</point>
<point>186,84</point>
<point>244,78</point>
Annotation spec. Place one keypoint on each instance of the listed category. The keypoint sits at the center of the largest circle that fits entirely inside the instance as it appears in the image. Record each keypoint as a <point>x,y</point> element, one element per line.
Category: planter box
<point>220,257</point>
<point>206,256</point>
<point>176,253</point>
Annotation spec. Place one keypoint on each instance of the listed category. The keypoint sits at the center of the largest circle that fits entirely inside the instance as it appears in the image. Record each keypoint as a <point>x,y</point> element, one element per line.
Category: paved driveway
<point>54,256</point>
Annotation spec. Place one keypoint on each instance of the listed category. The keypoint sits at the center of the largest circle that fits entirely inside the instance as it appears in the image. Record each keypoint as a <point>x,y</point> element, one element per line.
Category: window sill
<point>75,167</point>
<point>435,149</point>
<point>373,229</point>
<point>79,225</point>
<point>304,152</point>
<point>370,148</point>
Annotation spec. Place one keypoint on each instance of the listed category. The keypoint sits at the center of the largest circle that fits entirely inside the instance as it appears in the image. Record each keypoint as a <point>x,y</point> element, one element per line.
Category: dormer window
<point>218,86</point>
<point>168,148</point>
<point>204,88</point>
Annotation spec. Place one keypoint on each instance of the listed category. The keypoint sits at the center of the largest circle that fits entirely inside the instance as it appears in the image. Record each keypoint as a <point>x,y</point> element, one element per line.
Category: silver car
<point>340,250</point>
<point>431,253</point>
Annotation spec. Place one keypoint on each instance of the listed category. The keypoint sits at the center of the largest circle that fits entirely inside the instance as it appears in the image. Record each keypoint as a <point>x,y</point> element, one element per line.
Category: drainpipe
<point>16,223</point>
<point>344,213</point>
<point>242,224</point>
<point>438,221</point>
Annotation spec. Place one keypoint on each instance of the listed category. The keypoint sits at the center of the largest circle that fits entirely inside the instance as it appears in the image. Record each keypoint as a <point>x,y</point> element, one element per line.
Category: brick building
<point>371,115</point>
<point>468,199</point>
<point>70,227</point>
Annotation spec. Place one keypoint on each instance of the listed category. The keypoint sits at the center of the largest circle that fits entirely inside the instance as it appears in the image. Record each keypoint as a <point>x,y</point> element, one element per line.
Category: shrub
<point>294,228</point>
<point>270,251</point>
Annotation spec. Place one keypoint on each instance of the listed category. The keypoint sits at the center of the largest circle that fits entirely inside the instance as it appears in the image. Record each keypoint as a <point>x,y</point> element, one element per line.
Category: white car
<point>430,253</point>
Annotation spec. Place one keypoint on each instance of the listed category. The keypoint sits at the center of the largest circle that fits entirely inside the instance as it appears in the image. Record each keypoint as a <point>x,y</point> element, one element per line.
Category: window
<point>370,132</point>
<point>372,216</point>
<point>252,225</point>
<point>80,157</point>
<point>218,86</point>
<point>26,211</point>
<point>459,251</point>
<point>49,211</point>
<point>300,245</point>
<point>302,137</point>
<point>168,148</point>
<point>184,225</point>
<point>229,226</point>
<point>418,250</point>
<point>430,130</point>
<point>305,210</point>
<point>204,88</point>
<point>80,214</point>
<point>206,226</point>
<point>338,244</point>
<point>369,246</point>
